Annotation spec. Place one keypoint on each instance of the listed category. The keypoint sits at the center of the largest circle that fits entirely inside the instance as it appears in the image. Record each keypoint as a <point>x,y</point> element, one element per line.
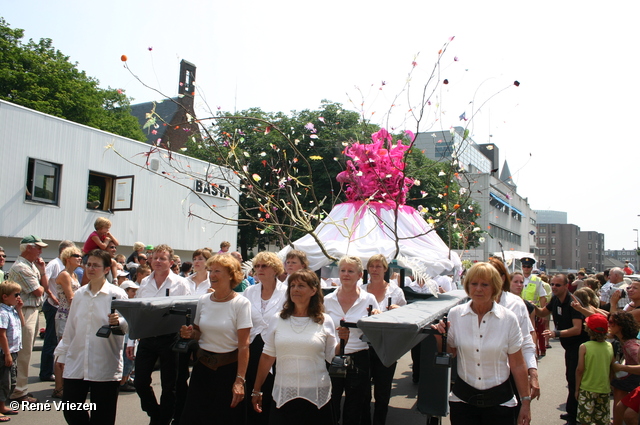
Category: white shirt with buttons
<point>483,349</point>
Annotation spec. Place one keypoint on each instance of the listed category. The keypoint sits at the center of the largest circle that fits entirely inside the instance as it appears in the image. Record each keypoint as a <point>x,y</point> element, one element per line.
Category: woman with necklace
<point>90,363</point>
<point>302,338</point>
<point>66,285</point>
<point>267,298</point>
<point>221,325</point>
<point>350,303</point>
<point>388,297</point>
<point>487,340</point>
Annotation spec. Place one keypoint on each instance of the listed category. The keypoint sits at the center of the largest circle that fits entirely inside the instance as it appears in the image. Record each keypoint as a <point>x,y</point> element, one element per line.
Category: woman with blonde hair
<point>487,340</point>
<point>350,302</point>
<point>267,298</point>
<point>222,325</point>
<point>66,285</point>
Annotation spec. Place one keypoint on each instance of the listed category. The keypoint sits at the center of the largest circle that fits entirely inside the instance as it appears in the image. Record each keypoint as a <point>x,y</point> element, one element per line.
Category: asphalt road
<point>402,407</point>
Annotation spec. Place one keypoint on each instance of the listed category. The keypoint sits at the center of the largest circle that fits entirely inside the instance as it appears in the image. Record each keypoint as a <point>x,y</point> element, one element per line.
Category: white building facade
<point>59,176</point>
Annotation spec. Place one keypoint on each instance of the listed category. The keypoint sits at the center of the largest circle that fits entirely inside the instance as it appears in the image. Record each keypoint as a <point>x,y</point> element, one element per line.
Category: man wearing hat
<point>29,272</point>
<point>535,293</point>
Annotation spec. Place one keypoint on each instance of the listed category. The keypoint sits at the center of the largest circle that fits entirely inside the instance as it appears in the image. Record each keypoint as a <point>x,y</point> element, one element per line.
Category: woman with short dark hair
<point>90,363</point>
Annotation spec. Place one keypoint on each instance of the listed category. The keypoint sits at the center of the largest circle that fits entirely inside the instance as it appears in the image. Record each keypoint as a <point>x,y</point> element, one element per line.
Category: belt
<point>215,360</point>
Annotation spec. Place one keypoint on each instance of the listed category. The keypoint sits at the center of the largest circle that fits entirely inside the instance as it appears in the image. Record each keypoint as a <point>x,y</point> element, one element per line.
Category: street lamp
<point>637,243</point>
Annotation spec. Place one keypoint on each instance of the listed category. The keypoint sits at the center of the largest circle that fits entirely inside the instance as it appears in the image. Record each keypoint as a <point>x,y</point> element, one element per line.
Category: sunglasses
<point>16,294</point>
<point>3,256</point>
<point>557,285</point>
<point>76,255</point>
<point>259,266</point>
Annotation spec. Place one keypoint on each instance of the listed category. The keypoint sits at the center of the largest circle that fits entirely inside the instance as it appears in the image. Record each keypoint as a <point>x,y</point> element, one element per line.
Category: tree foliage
<point>37,76</point>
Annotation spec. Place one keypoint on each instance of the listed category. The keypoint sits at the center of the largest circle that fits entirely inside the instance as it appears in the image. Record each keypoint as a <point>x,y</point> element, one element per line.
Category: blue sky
<point>567,132</point>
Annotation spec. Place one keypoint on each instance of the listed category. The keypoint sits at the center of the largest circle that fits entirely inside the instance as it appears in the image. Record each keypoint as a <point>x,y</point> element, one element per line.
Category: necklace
<point>223,299</point>
<point>298,327</point>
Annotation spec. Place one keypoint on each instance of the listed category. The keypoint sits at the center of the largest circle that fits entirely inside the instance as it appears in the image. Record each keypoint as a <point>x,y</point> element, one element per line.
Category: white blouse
<point>392,291</point>
<point>301,347</point>
<point>198,288</point>
<point>483,349</point>
<point>260,316</point>
<point>358,309</point>
<point>85,355</point>
<point>219,322</point>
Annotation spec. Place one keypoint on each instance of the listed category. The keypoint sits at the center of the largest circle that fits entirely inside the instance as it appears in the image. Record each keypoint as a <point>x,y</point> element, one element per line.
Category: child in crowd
<point>593,374</point>
<point>11,322</point>
<point>224,247</point>
<point>100,238</point>
<point>126,384</point>
<point>143,271</point>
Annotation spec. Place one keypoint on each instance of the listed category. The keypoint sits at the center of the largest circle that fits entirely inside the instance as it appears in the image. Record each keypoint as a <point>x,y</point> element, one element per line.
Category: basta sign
<point>211,189</point>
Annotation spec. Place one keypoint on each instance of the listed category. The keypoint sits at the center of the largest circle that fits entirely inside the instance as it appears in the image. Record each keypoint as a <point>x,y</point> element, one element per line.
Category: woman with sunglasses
<point>624,328</point>
<point>66,284</point>
<point>267,298</point>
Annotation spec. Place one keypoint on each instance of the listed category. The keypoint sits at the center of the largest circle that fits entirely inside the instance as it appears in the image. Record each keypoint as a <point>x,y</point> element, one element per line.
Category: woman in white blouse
<point>89,363</point>
<point>303,339</point>
<point>349,302</point>
<point>388,297</point>
<point>221,326</point>
<point>487,340</point>
<point>267,298</point>
<point>199,280</point>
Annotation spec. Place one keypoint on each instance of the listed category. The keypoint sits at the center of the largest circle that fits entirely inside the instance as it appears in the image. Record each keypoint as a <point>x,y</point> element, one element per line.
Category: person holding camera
<point>302,338</point>
<point>350,303</point>
<point>91,362</point>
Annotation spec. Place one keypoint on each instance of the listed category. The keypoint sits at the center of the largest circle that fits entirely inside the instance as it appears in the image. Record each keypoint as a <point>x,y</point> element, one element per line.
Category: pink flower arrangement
<point>376,170</point>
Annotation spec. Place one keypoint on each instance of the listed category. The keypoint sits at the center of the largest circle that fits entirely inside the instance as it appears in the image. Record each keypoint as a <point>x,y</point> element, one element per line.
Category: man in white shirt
<point>161,282</point>
<point>49,309</point>
<point>616,282</point>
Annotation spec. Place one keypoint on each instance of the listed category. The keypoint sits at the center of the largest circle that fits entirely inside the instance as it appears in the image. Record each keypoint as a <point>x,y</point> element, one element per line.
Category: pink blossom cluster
<point>376,170</point>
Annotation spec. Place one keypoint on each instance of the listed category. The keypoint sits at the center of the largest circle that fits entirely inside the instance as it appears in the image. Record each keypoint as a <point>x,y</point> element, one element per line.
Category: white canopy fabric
<point>364,229</point>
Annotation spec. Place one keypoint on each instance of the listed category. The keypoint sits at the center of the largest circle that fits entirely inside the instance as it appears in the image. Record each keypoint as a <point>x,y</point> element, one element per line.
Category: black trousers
<point>253,417</point>
<point>103,394</point>
<point>382,378</point>
<point>357,389</point>
<point>50,341</point>
<point>149,351</point>
<point>571,355</point>
<point>209,397</point>
<point>466,414</point>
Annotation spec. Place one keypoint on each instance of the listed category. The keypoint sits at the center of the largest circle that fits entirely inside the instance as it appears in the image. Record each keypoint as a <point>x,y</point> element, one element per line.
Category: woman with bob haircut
<point>267,298</point>
<point>294,261</point>
<point>221,325</point>
<point>302,338</point>
<point>486,339</point>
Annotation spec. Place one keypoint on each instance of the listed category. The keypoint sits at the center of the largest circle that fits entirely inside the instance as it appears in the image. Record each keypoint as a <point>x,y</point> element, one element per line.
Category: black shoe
<point>566,417</point>
<point>50,378</point>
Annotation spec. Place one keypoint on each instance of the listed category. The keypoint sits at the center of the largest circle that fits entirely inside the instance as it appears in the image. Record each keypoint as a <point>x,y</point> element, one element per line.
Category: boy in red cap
<point>595,365</point>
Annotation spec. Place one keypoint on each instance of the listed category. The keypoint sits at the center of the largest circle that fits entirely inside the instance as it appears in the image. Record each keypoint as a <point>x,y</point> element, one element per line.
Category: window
<point>553,241</point>
<point>542,229</point>
<point>43,182</point>
<point>590,256</point>
<point>589,236</point>
<point>553,251</point>
<point>542,240</point>
<point>553,228</point>
<point>543,251</point>
<point>590,246</point>
<point>553,263</point>
<point>109,193</point>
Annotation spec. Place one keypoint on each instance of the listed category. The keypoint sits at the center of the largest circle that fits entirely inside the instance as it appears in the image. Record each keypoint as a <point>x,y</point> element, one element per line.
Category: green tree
<point>38,76</point>
<point>287,175</point>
